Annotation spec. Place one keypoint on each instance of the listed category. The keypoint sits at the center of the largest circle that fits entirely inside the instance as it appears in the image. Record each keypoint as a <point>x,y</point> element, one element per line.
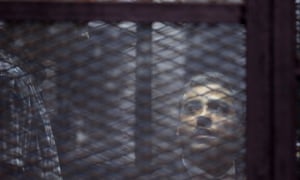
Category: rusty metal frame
<point>284,84</point>
<point>259,90</point>
<point>271,107</point>
<point>138,12</point>
<point>270,63</point>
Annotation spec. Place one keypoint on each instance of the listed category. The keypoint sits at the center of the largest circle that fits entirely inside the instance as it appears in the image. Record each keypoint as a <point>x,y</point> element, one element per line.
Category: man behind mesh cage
<point>27,146</point>
<point>211,130</point>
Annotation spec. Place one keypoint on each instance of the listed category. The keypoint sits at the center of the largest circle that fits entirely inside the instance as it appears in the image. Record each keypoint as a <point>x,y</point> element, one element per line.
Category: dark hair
<point>226,82</point>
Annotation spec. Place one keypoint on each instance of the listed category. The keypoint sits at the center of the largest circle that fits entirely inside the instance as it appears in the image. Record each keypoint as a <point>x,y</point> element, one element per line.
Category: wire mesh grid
<point>129,100</point>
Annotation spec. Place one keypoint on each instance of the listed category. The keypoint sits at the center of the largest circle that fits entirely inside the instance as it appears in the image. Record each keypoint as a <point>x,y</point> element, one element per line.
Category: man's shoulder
<point>177,171</point>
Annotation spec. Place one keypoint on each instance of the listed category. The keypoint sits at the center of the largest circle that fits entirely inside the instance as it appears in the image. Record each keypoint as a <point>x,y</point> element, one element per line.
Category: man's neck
<point>195,171</point>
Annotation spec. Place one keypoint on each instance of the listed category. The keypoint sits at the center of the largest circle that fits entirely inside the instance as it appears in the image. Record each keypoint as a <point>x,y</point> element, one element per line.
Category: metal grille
<point>116,95</point>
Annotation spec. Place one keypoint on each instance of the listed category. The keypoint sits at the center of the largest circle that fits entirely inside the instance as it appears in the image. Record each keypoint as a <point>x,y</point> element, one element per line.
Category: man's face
<point>210,129</point>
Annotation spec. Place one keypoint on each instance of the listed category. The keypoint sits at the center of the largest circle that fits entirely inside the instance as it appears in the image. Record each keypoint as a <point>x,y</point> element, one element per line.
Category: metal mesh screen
<point>126,100</point>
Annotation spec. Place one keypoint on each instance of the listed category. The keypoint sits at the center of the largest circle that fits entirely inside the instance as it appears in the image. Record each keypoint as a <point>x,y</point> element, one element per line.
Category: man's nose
<point>203,121</point>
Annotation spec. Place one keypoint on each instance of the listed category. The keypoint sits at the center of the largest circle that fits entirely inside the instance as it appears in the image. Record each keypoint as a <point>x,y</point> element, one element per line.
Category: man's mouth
<point>203,133</point>
<point>204,136</point>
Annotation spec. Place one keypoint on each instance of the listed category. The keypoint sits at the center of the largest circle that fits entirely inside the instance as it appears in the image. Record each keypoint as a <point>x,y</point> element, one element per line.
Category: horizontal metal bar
<point>138,12</point>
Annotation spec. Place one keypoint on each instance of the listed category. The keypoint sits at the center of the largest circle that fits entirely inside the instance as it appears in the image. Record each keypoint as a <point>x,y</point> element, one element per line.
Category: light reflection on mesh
<point>88,72</point>
<point>27,142</point>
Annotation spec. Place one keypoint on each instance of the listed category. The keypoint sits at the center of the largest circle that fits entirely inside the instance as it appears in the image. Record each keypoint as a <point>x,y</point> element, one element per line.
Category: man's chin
<point>203,153</point>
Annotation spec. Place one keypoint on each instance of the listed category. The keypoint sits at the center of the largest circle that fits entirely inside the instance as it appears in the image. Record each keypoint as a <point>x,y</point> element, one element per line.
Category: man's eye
<point>218,107</point>
<point>192,107</point>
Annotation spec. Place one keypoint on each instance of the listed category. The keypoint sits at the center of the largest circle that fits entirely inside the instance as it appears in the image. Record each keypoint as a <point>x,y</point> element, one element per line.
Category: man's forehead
<point>211,91</point>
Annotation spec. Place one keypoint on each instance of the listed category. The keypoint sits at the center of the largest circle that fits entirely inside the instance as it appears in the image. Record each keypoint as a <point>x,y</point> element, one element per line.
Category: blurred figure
<point>27,146</point>
<point>211,129</point>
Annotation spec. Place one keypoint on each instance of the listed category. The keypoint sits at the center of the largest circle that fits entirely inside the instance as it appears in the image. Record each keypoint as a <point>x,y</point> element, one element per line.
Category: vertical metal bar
<point>143,97</point>
<point>193,63</point>
<point>259,59</point>
<point>284,90</point>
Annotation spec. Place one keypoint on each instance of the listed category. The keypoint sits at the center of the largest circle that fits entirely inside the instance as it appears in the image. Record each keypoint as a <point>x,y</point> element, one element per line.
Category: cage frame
<point>270,54</point>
